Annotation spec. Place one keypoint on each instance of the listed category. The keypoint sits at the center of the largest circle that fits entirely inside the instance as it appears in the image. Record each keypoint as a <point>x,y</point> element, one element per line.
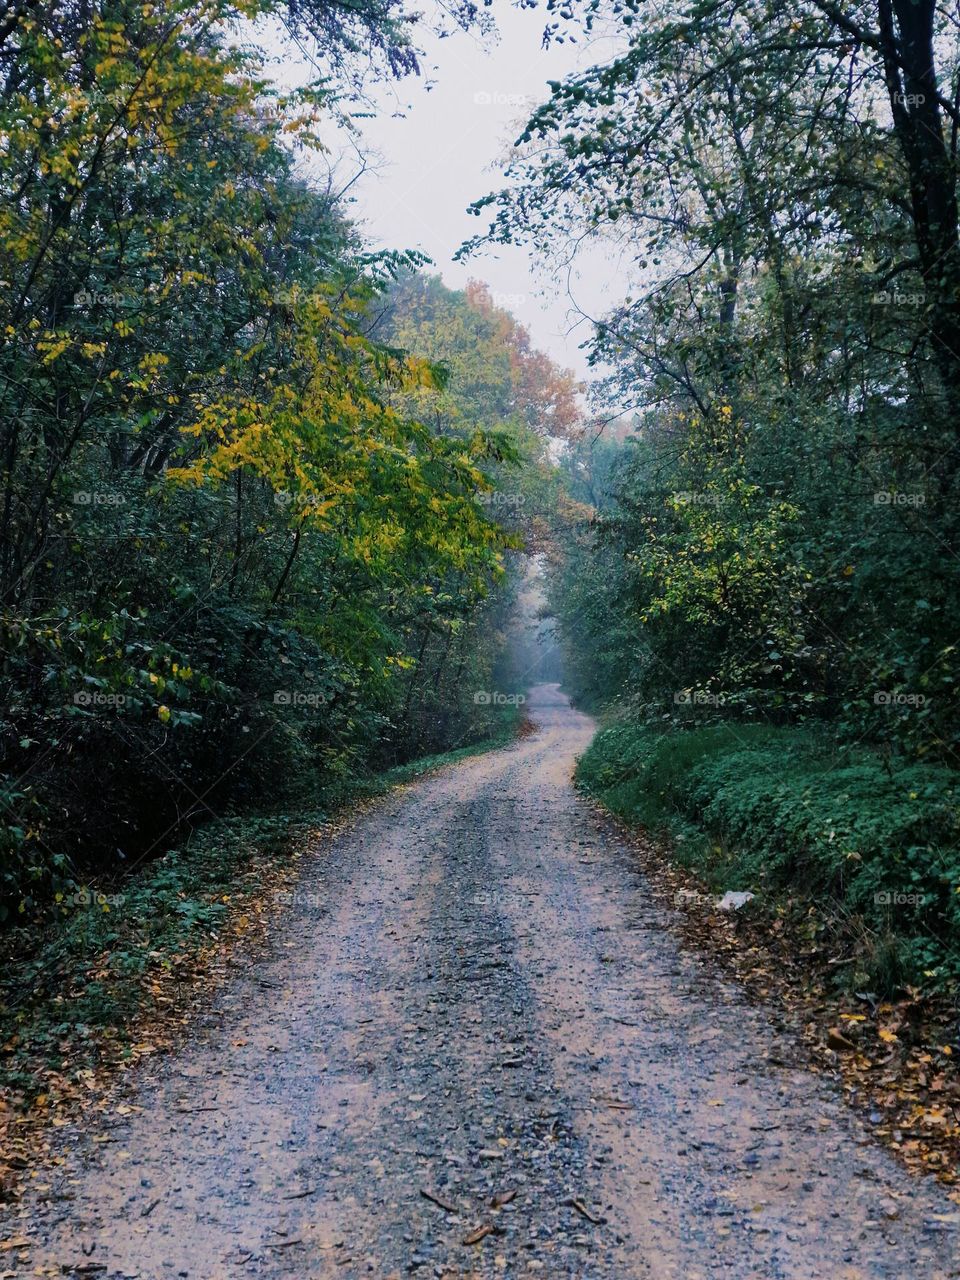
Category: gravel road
<point>473,1023</point>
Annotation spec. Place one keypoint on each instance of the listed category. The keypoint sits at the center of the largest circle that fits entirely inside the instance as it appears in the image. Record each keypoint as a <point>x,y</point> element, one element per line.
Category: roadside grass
<point>105,979</point>
<point>512,720</point>
<point>866,843</point>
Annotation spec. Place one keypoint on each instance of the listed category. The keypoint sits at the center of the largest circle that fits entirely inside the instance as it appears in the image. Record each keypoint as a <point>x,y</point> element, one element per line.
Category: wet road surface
<point>474,1024</point>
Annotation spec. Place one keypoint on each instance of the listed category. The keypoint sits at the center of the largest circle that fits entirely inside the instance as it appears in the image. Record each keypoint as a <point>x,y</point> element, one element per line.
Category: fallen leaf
<point>479,1234</point>
<point>439,1200</point>
<point>584,1212</point>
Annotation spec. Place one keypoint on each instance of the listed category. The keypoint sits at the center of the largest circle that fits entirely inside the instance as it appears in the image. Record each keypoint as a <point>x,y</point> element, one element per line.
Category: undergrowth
<point>869,841</point>
<point>73,983</point>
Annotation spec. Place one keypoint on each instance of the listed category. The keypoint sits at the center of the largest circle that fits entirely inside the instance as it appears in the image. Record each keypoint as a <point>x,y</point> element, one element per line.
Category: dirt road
<point>474,997</point>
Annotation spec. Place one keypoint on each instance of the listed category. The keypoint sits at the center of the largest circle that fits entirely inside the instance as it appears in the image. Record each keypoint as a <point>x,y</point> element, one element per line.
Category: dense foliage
<point>247,541</point>
<point>775,541</point>
<point>864,851</point>
<point>786,528</point>
<point>264,490</point>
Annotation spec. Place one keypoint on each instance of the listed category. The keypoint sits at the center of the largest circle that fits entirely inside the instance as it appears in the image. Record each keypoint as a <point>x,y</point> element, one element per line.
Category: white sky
<point>446,150</point>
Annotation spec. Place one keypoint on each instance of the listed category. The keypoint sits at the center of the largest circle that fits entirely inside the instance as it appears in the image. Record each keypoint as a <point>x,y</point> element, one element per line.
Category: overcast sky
<point>447,149</point>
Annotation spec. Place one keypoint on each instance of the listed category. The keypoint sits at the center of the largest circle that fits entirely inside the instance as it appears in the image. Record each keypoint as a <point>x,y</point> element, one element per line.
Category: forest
<point>271,492</point>
<point>766,585</point>
<point>247,538</point>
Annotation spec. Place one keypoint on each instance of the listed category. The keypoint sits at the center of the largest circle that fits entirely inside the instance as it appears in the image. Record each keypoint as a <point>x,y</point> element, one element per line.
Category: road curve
<point>475,1024</point>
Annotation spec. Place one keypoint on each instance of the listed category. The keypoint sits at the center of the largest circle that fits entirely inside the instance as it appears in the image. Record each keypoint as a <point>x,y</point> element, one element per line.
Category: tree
<point>785,342</point>
<point>219,518</point>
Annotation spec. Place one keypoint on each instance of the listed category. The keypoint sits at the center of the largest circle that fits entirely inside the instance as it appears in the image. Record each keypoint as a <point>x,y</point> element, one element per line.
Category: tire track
<point>474,1024</point>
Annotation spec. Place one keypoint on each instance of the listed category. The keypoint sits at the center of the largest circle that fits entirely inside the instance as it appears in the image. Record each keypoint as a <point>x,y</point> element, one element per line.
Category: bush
<point>871,842</point>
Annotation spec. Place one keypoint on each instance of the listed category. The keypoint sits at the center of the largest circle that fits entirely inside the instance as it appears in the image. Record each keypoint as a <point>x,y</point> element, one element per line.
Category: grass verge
<point>812,831</point>
<point>869,843</point>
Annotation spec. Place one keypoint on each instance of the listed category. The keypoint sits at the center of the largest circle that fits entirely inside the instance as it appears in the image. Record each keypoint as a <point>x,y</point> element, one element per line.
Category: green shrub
<point>870,841</point>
